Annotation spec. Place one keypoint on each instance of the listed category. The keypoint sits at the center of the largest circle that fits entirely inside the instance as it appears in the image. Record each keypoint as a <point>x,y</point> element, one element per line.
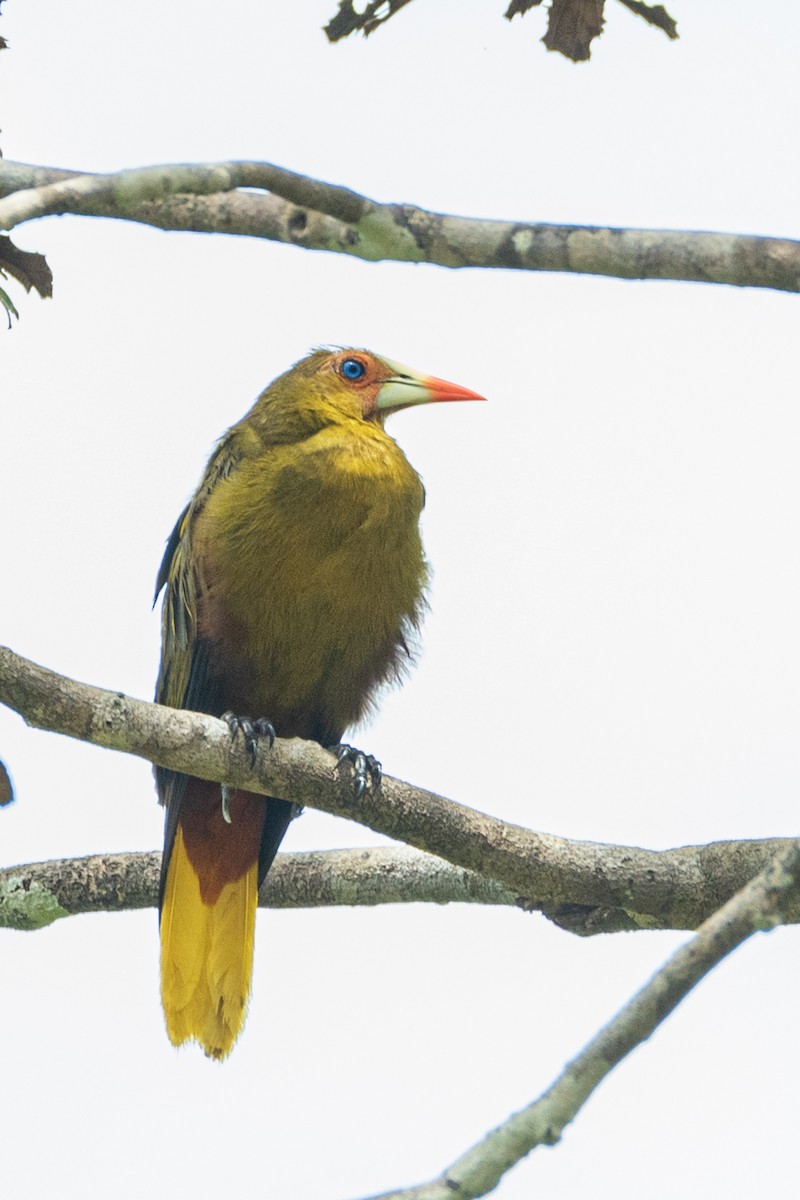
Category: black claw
<point>367,770</point>
<point>265,728</point>
<point>251,731</point>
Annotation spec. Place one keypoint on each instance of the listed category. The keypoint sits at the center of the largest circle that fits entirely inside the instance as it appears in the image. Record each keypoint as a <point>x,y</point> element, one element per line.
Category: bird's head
<point>372,387</point>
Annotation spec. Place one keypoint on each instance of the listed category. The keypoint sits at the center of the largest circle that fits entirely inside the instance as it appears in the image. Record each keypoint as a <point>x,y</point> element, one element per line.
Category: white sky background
<point>613,649</point>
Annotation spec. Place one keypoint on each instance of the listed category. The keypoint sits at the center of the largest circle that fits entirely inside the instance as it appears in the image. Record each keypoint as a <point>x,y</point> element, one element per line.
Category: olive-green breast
<point>310,575</point>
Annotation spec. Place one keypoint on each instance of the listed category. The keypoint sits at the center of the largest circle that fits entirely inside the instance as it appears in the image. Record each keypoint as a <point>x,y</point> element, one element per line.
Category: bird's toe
<point>366,770</point>
<point>251,730</point>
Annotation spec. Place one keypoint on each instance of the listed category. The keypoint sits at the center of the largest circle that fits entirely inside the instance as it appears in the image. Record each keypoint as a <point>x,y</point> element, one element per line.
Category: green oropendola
<point>295,581</point>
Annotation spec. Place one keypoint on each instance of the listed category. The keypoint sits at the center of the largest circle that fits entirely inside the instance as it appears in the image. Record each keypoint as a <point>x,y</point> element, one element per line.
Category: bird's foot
<point>252,732</point>
<point>367,770</point>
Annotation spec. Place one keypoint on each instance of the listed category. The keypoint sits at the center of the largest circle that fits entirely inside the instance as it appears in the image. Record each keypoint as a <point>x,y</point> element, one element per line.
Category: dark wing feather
<point>184,679</point>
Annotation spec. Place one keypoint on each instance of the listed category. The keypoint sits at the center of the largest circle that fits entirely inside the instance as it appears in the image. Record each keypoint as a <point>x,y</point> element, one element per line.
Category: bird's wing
<point>184,679</point>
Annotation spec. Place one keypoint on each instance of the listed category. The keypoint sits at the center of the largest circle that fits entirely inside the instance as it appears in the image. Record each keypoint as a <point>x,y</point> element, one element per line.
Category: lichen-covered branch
<point>36,894</point>
<point>759,906</point>
<point>295,209</point>
<point>585,886</point>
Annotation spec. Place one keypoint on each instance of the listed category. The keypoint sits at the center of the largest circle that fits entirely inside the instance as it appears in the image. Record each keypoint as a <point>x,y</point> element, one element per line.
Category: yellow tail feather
<point>206,955</point>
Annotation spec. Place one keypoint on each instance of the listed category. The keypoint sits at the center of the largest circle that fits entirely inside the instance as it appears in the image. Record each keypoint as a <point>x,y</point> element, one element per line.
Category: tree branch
<point>584,886</point>
<point>320,216</point>
<point>37,894</point>
<point>759,906</point>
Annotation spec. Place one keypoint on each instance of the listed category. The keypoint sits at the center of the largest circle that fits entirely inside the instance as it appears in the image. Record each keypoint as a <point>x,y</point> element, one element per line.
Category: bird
<point>294,585</point>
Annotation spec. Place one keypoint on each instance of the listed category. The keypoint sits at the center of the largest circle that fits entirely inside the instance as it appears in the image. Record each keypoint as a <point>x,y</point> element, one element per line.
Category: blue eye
<point>352,368</point>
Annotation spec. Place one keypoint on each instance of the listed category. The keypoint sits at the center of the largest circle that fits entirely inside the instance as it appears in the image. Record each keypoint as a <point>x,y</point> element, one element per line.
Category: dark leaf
<point>6,787</point>
<point>654,14</point>
<point>519,7</point>
<point>28,268</point>
<point>7,304</point>
<point>348,21</point>
<point>573,26</point>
